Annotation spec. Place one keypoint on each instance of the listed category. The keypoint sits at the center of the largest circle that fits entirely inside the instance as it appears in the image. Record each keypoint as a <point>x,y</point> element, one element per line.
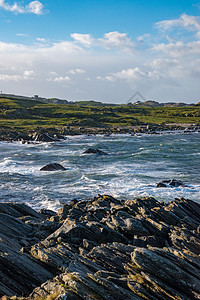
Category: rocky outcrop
<point>94,151</point>
<point>103,248</point>
<point>171,183</point>
<point>44,137</point>
<point>53,167</point>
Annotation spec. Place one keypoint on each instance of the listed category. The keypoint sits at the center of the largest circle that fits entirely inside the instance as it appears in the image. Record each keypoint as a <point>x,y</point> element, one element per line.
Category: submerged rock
<point>102,248</point>
<point>53,167</point>
<point>94,151</point>
<point>171,183</point>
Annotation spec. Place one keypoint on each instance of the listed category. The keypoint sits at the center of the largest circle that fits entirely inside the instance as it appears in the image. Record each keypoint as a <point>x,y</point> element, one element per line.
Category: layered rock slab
<point>104,248</point>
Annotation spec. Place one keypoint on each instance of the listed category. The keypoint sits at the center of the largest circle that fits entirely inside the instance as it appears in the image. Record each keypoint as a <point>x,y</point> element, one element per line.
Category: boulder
<point>94,151</point>
<point>44,137</point>
<point>171,183</point>
<point>53,167</point>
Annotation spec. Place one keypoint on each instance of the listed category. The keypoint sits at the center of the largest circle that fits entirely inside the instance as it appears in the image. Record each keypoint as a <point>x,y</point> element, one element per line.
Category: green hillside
<point>29,114</point>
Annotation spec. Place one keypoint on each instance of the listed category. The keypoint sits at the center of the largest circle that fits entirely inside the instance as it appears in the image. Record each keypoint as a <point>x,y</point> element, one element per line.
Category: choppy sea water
<point>133,167</point>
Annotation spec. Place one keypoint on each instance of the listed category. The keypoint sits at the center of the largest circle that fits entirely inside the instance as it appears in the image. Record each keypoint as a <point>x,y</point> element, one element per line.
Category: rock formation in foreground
<point>101,249</point>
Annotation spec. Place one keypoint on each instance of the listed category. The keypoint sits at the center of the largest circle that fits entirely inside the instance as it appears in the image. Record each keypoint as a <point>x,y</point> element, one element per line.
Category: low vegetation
<point>29,114</point>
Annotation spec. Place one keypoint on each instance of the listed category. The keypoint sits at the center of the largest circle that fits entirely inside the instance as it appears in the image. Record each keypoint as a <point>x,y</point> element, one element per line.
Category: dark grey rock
<point>94,151</point>
<point>19,272</point>
<point>18,210</point>
<point>103,248</point>
<point>53,167</point>
<point>167,268</point>
<point>44,137</point>
<point>171,183</point>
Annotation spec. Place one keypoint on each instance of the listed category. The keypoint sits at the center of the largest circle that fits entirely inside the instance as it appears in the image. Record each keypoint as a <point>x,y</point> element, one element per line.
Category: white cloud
<point>116,39</point>
<point>27,74</point>
<point>54,77</point>
<point>42,40</point>
<point>62,48</point>
<point>35,7</point>
<point>76,71</point>
<point>143,37</point>
<point>81,68</point>
<point>84,39</point>
<point>13,8</point>
<point>110,78</point>
<point>22,34</point>
<point>110,40</point>
<point>129,74</point>
<point>80,71</point>
<point>190,23</point>
<point>61,79</point>
<point>179,49</point>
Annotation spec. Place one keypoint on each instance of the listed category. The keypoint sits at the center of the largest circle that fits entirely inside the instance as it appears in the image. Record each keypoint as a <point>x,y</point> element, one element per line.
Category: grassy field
<point>29,114</point>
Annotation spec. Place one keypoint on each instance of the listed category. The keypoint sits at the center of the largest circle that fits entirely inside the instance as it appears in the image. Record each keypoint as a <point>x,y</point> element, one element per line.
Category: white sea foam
<point>132,169</point>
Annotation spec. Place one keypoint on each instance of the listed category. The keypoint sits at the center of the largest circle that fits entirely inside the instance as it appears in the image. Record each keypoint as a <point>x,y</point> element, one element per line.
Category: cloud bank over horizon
<point>163,66</point>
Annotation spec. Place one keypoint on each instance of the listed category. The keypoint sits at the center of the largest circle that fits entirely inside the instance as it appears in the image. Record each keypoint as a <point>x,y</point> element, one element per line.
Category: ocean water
<point>133,167</point>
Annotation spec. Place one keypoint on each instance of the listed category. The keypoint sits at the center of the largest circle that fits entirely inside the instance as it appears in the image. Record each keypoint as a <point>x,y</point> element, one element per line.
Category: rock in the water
<point>94,151</point>
<point>44,137</point>
<point>171,183</point>
<point>53,167</point>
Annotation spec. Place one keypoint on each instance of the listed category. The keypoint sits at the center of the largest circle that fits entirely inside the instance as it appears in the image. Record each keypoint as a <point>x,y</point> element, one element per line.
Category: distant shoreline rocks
<point>53,134</point>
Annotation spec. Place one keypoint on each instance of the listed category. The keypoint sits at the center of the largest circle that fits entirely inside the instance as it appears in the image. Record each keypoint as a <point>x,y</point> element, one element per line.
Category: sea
<point>133,167</point>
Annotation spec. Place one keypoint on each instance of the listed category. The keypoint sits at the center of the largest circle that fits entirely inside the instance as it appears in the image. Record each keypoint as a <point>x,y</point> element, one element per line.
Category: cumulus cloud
<point>13,8</point>
<point>27,74</point>
<point>35,7</point>
<point>61,79</point>
<point>116,39</point>
<point>84,39</point>
<point>81,68</point>
<point>110,40</point>
<point>189,23</point>
<point>179,49</point>
<point>131,73</point>
<point>76,71</point>
<point>108,78</point>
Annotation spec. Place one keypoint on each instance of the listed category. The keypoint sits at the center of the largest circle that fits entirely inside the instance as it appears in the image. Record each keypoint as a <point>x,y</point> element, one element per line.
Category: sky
<point>101,50</point>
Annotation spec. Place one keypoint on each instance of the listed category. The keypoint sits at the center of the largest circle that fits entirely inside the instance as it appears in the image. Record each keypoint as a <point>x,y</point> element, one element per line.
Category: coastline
<point>103,248</point>
<point>56,134</point>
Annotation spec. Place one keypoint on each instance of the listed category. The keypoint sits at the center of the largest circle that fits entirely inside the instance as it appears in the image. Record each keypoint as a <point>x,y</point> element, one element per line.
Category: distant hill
<point>152,103</point>
<point>93,103</point>
<point>25,112</point>
<point>148,103</point>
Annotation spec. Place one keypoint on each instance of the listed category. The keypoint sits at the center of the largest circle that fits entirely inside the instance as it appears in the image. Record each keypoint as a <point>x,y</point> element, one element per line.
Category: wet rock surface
<point>171,183</point>
<point>53,134</point>
<point>101,249</point>
<point>94,151</point>
<point>53,167</point>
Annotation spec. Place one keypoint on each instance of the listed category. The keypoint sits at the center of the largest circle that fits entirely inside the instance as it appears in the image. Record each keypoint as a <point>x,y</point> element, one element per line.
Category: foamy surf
<point>132,168</point>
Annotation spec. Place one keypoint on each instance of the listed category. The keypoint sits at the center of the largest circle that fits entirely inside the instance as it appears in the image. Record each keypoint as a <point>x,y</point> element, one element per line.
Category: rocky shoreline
<point>102,248</point>
<point>54,134</point>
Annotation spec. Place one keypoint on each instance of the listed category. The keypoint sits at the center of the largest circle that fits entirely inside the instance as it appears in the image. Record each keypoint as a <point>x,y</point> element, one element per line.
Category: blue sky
<point>101,50</point>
